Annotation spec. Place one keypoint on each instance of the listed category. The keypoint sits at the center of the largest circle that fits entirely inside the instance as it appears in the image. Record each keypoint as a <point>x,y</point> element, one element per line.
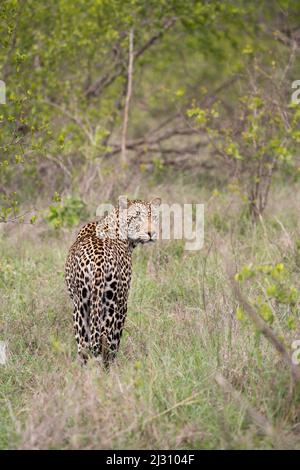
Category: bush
<point>67,214</point>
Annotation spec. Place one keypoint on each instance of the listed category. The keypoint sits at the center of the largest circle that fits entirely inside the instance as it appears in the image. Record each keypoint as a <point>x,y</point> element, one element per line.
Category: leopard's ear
<point>123,202</point>
<point>156,202</point>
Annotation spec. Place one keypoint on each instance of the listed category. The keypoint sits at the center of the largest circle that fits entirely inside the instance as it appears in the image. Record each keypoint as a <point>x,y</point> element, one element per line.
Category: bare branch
<point>60,164</point>
<point>72,117</point>
<point>264,328</point>
<point>128,97</point>
<point>17,218</point>
<point>118,69</point>
<point>168,24</point>
<point>152,143</point>
<point>254,414</point>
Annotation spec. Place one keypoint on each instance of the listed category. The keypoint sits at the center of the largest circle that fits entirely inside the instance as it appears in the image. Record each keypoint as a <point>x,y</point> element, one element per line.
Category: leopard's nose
<point>152,235</point>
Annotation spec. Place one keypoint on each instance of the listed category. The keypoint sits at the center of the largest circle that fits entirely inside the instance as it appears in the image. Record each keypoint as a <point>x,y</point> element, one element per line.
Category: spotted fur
<point>98,273</point>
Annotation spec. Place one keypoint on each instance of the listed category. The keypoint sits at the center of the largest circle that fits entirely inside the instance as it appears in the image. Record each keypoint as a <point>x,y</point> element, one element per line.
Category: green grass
<point>181,330</point>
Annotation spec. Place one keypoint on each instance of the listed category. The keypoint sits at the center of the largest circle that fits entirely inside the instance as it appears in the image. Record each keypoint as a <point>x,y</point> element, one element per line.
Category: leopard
<point>98,273</point>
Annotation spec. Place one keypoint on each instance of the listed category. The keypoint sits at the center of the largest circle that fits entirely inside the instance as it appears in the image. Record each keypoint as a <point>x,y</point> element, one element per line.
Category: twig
<point>128,97</point>
<point>254,414</point>
<point>284,231</point>
<point>72,117</point>
<point>17,217</point>
<point>264,328</point>
<point>151,144</point>
<point>105,81</point>
<point>60,164</point>
<point>167,25</point>
<point>190,400</point>
<point>7,64</point>
<point>204,274</point>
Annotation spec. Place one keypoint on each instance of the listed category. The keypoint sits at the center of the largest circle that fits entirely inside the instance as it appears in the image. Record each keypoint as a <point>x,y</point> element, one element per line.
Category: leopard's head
<point>140,219</point>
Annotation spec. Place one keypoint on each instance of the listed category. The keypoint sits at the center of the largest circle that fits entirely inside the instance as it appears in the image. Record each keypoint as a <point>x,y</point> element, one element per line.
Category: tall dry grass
<point>181,331</point>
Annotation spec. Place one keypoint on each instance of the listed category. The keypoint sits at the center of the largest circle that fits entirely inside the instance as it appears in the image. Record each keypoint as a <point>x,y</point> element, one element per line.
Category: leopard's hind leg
<point>81,319</point>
